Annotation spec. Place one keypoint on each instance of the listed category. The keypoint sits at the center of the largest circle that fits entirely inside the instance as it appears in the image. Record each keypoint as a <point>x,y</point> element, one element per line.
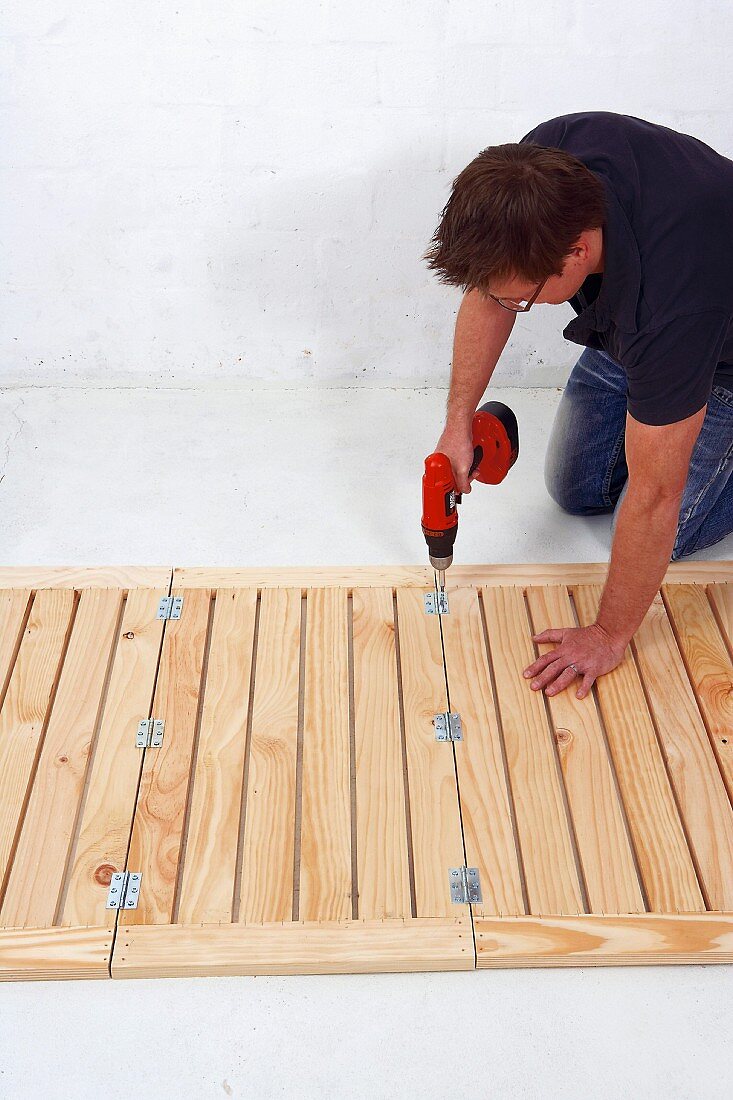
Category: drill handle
<point>478,454</point>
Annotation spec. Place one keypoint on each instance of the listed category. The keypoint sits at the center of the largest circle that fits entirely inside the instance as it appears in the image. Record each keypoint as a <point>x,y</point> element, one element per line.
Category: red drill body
<point>495,450</point>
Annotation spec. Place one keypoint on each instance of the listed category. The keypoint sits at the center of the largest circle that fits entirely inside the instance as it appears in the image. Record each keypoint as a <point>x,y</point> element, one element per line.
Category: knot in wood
<point>103,874</point>
<point>563,736</point>
<point>129,635</point>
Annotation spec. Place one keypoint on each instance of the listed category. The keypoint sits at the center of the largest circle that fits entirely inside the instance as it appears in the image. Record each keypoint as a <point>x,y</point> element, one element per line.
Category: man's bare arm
<point>482,330</point>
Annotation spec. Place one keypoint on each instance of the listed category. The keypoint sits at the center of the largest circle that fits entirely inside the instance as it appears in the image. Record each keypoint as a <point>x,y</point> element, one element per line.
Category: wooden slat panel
<point>13,608</point>
<point>78,577</point>
<point>43,953</point>
<point>665,862</point>
<point>155,845</point>
<point>605,941</point>
<point>381,847</point>
<point>709,665</point>
<point>40,861</point>
<point>547,851</point>
<point>104,830</point>
<point>436,833</point>
<point>269,832</point>
<point>325,854</point>
<point>701,793</point>
<point>605,853</point>
<point>485,808</point>
<point>329,947</point>
<point>207,887</point>
<point>26,707</point>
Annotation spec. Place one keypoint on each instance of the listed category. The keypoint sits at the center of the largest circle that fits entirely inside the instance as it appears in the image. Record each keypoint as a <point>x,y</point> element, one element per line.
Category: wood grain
<point>603,844</point>
<point>436,830</point>
<point>73,576</point>
<point>207,886</point>
<point>13,609</point>
<point>546,846</point>
<point>665,862</point>
<point>695,776</point>
<point>25,711</point>
<point>109,806</point>
<point>486,812</point>
<point>38,870</point>
<point>269,831</point>
<point>43,953</point>
<point>382,853</point>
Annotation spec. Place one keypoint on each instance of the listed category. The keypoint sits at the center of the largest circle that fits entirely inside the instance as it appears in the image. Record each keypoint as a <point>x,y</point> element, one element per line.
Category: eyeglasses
<point>515,304</point>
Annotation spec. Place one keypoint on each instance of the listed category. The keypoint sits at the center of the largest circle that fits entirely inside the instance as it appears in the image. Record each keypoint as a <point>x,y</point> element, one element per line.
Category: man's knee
<point>568,494</point>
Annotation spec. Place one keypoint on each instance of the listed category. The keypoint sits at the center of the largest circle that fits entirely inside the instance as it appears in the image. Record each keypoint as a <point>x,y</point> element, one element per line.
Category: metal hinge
<point>124,890</point>
<point>436,604</point>
<point>448,727</point>
<point>150,733</point>
<point>465,886</point>
<point>170,607</point>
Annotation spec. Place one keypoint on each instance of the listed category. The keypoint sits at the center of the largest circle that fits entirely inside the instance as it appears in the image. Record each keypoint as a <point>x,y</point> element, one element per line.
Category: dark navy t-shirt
<point>663,305</point>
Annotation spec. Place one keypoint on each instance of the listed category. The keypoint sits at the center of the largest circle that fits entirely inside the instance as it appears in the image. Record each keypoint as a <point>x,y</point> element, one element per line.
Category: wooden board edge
<point>343,947</point>
<point>421,576</point>
<point>641,939</point>
<point>40,954</point>
<point>103,576</point>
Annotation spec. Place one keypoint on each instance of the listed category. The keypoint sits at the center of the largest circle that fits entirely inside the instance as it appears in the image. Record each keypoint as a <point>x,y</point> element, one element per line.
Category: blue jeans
<point>585,464</point>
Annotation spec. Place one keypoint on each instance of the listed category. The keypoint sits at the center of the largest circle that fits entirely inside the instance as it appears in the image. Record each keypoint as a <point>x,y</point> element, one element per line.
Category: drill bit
<point>441,580</point>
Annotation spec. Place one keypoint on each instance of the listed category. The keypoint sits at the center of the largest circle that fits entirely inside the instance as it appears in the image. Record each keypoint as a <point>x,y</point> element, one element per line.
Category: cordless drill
<point>495,450</point>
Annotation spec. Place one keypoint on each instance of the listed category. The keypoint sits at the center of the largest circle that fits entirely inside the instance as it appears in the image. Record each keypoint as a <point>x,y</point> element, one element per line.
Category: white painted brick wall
<point>240,190</point>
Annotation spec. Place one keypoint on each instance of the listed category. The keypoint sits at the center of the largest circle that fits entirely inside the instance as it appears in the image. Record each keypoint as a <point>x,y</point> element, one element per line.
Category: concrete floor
<point>319,477</point>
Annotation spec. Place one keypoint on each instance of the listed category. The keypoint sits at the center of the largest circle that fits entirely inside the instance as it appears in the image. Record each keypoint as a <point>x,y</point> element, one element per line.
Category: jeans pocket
<point>724,395</point>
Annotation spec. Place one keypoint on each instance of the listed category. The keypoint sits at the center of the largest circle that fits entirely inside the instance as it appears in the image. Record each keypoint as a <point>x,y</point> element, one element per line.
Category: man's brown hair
<point>515,211</point>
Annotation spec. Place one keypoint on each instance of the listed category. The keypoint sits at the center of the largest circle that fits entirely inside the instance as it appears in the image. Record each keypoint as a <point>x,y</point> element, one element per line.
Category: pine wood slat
<point>315,947</point>
<point>666,866</point>
<point>383,869</point>
<point>605,941</point>
<point>109,803</point>
<point>43,953</point>
<point>155,844</point>
<point>436,831</point>
<point>79,577</point>
<point>486,810</point>
<point>268,848</point>
<point>38,870</point>
<point>209,871</point>
<point>709,664</point>
<point>605,853</point>
<point>13,610</point>
<point>721,599</point>
<point>25,711</point>
<point>545,842</point>
<point>696,779</point>
<point>325,853</point>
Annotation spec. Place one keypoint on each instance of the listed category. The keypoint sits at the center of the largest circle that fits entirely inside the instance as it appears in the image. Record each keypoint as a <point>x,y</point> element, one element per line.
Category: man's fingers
<point>540,663</point>
<point>551,635</point>
<point>588,680</point>
<point>564,680</point>
<point>549,674</point>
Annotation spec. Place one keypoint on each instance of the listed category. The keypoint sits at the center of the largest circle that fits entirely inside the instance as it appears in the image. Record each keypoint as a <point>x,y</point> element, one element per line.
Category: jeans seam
<point>609,472</point>
<point>705,489</point>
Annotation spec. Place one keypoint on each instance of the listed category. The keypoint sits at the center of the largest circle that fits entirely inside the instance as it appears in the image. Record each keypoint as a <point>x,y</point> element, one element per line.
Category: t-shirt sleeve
<point>670,370</point>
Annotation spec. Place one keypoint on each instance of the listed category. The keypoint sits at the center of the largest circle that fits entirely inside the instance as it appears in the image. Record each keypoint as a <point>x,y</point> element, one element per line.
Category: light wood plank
<point>331,947</point>
<point>709,665</point>
<point>605,941</point>
<point>325,854</point>
<point>695,774</point>
<point>721,598</point>
<point>603,844</point>
<point>381,847</point>
<point>155,844</point>
<point>26,708</point>
<point>436,832</point>
<point>43,953</point>
<point>207,887</point>
<point>104,829</point>
<point>73,576</point>
<point>546,846</point>
<point>13,608</point>
<point>422,576</point>
<point>485,807</point>
<point>667,868</point>
<point>269,829</point>
<point>40,861</point>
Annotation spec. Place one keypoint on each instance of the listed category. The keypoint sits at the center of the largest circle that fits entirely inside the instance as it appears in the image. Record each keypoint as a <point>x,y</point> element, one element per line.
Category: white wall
<point>202,190</point>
